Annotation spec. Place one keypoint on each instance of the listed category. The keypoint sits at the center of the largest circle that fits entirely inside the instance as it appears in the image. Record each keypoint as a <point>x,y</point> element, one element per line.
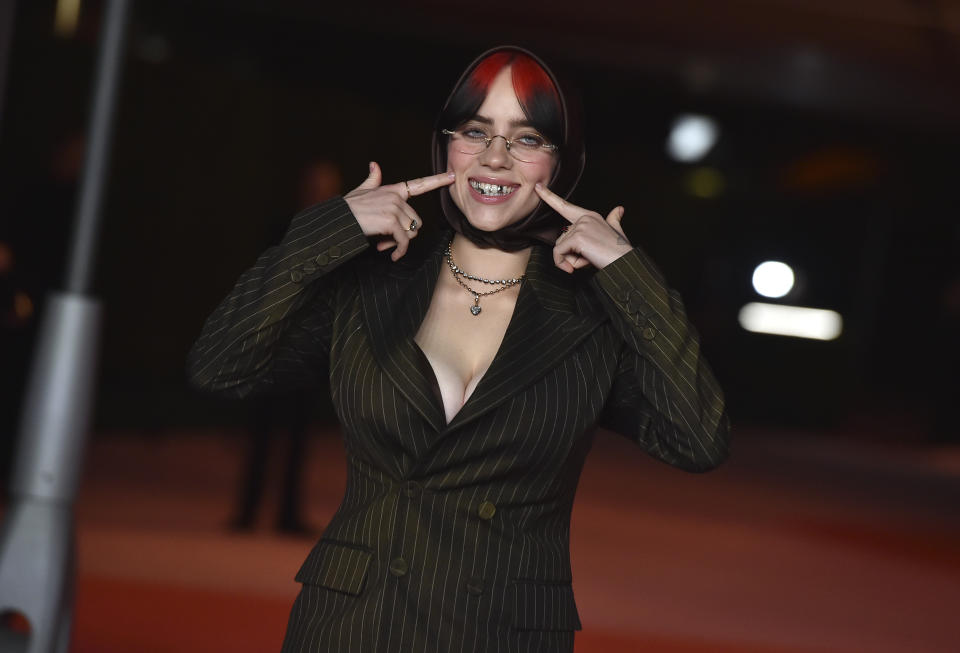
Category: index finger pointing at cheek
<point>427,184</point>
<point>570,211</point>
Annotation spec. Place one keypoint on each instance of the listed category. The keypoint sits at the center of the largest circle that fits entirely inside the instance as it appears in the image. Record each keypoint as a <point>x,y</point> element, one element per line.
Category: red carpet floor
<point>798,544</point>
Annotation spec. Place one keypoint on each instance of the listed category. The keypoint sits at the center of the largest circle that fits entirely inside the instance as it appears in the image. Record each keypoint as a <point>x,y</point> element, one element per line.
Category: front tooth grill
<point>492,189</point>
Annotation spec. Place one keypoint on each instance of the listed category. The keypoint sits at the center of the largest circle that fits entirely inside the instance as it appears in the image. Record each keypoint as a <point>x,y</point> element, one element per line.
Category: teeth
<point>491,189</point>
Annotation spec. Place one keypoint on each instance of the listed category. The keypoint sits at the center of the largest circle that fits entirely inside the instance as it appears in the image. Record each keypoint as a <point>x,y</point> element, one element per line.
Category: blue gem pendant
<point>475,309</point>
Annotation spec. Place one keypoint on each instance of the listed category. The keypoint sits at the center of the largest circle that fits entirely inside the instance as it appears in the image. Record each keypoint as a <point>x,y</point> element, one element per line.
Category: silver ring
<point>413,225</point>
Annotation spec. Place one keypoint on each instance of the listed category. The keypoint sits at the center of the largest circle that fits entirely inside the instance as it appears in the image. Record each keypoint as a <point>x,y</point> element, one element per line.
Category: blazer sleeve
<point>664,395</point>
<point>272,332</point>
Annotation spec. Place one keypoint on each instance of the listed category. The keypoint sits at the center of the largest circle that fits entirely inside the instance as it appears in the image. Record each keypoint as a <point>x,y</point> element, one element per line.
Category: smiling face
<point>492,188</point>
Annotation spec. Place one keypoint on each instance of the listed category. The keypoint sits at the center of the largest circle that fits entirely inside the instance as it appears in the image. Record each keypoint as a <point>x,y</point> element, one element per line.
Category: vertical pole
<point>37,540</point>
<point>86,226</point>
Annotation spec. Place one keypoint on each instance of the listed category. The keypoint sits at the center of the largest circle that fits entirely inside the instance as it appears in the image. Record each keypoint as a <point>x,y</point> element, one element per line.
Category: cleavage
<point>449,386</point>
<point>459,348</point>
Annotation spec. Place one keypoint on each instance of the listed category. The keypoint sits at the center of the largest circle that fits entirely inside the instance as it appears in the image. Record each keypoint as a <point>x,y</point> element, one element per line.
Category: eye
<point>530,140</point>
<point>473,132</point>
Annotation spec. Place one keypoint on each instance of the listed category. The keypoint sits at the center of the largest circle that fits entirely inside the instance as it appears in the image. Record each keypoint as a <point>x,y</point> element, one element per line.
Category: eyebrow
<point>522,122</point>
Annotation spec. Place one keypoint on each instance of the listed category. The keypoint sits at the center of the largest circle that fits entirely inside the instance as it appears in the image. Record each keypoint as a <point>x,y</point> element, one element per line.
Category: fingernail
<point>452,175</point>
<point>371,166</point>
<point>538,186</point>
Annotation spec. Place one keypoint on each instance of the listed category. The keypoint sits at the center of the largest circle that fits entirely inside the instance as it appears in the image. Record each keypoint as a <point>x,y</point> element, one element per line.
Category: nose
<point>496,154</point>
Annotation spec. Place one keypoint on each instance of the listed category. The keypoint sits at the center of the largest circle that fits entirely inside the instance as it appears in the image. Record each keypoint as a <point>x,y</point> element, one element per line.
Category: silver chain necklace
<point>457,273</point>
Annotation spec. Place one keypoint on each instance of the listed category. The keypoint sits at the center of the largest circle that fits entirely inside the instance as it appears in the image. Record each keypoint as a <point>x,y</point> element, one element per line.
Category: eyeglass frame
<point>550,147</point>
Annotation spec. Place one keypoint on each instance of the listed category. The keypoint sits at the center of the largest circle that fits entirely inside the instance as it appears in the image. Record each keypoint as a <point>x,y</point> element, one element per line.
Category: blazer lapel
<point>393,308</point>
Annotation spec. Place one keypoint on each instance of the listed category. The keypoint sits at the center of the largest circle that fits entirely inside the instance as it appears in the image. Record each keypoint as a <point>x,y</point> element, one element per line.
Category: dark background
<point>838,154</point>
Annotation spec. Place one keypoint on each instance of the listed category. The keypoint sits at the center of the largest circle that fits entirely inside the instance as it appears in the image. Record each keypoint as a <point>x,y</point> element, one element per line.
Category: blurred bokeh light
<point>796,321</point>
<point>773,279</point>
<point>692,137</point>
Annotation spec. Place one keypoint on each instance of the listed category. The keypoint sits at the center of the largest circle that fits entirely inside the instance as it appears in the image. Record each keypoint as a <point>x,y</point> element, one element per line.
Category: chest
<point>517,397</point>
<point>461,346</point>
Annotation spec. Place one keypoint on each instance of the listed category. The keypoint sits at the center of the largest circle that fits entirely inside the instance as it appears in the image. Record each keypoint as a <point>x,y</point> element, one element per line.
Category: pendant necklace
<point>457,273</point>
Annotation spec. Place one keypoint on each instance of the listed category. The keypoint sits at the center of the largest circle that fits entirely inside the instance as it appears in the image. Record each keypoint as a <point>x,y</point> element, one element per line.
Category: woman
<point>467,375</point>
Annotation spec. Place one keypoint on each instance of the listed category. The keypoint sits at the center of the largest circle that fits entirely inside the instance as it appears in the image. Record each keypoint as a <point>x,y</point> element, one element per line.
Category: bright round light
<point>691,137</point>
<point>773,279</point>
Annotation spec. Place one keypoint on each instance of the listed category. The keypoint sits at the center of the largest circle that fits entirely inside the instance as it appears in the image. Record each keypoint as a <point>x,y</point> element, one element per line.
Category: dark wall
<point>222,108</point>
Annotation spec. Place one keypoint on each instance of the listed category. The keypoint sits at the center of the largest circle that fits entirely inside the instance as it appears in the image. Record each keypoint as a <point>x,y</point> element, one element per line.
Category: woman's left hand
<point>590,239</point>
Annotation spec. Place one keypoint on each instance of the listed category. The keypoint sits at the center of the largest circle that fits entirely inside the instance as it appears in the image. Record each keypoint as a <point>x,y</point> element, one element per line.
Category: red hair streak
<point>529,79</point>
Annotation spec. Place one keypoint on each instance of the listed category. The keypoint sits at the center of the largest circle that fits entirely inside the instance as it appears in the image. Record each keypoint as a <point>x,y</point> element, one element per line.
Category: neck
<point>489,262</point>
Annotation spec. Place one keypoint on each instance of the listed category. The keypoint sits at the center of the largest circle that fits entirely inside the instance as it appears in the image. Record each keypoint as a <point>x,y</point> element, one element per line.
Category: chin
<point>491,224</point>
<point>491,219</point>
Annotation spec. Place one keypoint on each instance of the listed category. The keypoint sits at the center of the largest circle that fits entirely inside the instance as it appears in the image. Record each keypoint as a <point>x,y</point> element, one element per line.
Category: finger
<point>404,215</point>
<point>410,215</point>
<point>566,257</point>
<point>373,179</point>
<point>423,185</point>
<point>616,215</point>
<point>403,241</point>
<point>580,262</point>
<point>570,211</point>
<point>560,260</point>
<point>564,260</point>
<point>561,250</point>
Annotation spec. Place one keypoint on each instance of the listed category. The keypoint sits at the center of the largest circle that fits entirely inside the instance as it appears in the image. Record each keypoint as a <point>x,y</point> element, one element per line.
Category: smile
<point>493,190</point>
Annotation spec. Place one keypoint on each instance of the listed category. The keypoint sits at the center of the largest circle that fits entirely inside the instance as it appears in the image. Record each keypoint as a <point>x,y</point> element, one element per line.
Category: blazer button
<point>398,567</point>
<point>322,259</point>
<point>649,333</point>
<point>486,510</point>
<point>296,276</point>
<point>411,489</point>
<point>335,251</point>
<point>475,585</point>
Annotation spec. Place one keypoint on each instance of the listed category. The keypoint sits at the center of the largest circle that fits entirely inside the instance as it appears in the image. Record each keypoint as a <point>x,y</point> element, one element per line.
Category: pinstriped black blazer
<point>455,537</point>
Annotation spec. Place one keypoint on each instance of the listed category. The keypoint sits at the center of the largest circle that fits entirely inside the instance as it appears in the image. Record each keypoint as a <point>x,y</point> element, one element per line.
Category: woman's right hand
<point>383,210</point>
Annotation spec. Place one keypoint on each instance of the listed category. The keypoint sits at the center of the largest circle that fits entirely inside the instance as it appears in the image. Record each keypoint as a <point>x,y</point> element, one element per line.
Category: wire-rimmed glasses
<point>528,147</point>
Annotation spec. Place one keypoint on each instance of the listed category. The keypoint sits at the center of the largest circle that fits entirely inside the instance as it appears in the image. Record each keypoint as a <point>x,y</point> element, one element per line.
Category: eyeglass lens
<point>528,149</point>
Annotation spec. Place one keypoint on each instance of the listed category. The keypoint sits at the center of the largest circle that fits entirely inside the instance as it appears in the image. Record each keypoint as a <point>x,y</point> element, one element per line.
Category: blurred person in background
<point>289,412</point>
<point>468,374</point>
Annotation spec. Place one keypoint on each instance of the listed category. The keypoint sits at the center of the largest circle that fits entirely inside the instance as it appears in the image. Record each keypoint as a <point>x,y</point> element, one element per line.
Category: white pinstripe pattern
<point>611,347</point>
